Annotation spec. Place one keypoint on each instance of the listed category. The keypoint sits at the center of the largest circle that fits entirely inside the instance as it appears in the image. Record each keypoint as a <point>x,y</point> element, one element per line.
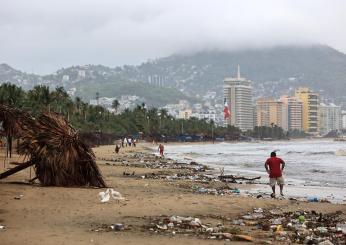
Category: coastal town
<point>304,110</point>
<point>194,122</point>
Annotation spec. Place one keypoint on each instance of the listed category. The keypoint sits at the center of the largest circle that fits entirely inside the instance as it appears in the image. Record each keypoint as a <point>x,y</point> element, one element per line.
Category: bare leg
<point>281,190</point>
<point>273,194</point>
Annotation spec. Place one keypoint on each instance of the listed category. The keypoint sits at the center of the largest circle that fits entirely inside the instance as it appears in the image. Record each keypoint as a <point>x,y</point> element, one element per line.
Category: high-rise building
<point>294,109</point>
<point>343,115</point>
<point>310,102</point>
<point>238,95</point>
<point>330,118</point>
<point>270,113</point>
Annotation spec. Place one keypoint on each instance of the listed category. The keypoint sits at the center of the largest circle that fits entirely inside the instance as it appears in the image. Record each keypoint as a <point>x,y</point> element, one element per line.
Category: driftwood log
<point>233,179</point>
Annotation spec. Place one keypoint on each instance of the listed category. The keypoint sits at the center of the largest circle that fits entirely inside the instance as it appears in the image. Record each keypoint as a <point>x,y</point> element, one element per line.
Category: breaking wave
<point>321,153</point>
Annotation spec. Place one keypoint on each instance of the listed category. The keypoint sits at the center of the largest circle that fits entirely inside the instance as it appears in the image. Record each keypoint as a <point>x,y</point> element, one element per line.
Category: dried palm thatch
<point>60,158</point>
<point>14,121</point>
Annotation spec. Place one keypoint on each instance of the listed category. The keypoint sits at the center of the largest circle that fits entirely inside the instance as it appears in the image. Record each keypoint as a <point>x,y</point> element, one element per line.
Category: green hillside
<point>154,95</point>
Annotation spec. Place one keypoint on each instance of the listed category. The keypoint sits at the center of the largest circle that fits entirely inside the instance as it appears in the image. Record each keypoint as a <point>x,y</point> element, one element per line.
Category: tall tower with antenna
<point>238,95</point>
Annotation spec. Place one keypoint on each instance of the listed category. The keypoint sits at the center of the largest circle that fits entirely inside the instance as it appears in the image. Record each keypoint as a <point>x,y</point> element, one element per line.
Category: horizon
<point>40,37</point>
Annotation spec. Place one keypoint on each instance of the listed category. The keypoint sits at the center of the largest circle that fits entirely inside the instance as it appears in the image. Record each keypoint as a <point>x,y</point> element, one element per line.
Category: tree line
<point>140,121</point>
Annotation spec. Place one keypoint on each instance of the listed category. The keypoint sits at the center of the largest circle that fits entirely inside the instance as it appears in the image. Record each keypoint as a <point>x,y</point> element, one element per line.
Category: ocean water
<point>314,163</point>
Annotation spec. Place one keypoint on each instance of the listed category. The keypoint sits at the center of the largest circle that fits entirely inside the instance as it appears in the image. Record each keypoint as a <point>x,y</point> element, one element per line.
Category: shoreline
<point>57,215</point>
<point>294,186</point>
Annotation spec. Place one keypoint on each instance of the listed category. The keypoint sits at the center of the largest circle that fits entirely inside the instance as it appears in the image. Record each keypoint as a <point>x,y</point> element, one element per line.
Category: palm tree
<point>11,95</point>
<point>115,105</point>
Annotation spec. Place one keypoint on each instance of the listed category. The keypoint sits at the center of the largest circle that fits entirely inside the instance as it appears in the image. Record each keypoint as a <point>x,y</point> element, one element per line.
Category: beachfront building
<point>310,104</point>
<point>330,118</point>
<point>343,115</point>
<point>270,113</point>
<point>238,96</point>
<point>185,114</point>
<point>294,109</point>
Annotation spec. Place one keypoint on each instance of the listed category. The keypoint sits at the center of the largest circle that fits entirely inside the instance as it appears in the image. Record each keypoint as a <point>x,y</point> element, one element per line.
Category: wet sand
<point>57,215</point>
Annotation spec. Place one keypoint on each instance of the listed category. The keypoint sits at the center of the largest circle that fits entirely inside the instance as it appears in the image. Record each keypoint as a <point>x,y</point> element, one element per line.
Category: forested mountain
<point>274,71</point>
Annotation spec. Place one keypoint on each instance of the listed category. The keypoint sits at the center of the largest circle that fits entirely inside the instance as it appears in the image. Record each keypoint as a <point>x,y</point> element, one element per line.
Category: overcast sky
<point>42,36</point>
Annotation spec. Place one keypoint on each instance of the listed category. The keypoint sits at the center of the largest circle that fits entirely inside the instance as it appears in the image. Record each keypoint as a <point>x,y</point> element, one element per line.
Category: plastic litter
<point>341,227</point>
<point>18,197</point>
<point>106,195</point>
<point>312,199</point>
<point>117,227</point>
<point>301,218</point>
<point>326,242</point>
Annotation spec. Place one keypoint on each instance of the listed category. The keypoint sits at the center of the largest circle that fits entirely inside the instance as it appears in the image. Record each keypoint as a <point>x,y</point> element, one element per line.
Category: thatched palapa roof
<point>60,158</point>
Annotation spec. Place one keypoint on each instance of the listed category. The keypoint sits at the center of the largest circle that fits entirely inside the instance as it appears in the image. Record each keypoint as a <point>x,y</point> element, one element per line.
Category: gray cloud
<point>44,35</point>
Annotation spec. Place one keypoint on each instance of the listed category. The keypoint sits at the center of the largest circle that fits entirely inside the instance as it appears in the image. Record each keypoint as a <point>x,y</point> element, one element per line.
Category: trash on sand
<point>243,238</point>
<point>308,227</point>
<point>312,199</point>
<point>117,227</point>
<point>301,218</point>
<point>341,227</point>
<point>190,226</point>
<point>18,197</point>
<point>105,195</point>
<point>2,227</point>
<point>326,242</point>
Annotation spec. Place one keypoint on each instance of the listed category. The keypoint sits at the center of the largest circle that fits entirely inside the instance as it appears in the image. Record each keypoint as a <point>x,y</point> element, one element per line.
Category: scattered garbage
<point>108,228</point>
<point>117,227</point>
<point>312,199</point>
<point>341,227</point>
<point>18,197</point>
<point>2,227</point>
<point>154,162</point>
<point>308,227</point>
<point>194,226</point>
<point>106,195</point>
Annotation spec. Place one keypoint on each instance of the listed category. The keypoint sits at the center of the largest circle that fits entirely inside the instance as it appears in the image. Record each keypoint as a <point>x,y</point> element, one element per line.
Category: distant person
<point>117,148</point>
<point>125,141</point>
<point>129,140</point>
<point>161,149</point>
<point>274,166</point>
<point>134,142</point>
<point>122,143</point>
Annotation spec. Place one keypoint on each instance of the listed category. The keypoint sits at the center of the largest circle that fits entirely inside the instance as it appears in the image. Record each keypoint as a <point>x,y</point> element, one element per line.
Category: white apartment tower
<point>294,109</point>
<point>238,95</point>
<point>330,118</point>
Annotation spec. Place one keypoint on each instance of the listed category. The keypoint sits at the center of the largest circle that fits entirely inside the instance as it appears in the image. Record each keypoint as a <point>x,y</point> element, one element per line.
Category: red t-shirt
<point>274,167</point>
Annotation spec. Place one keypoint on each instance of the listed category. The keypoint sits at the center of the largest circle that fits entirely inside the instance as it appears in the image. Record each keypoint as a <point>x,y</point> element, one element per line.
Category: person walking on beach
<point>161,149</point>
<point>274,166</point>
<point>117,148</point>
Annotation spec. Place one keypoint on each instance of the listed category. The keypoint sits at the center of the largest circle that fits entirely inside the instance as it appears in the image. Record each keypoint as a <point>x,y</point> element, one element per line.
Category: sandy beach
<point>32,214</point>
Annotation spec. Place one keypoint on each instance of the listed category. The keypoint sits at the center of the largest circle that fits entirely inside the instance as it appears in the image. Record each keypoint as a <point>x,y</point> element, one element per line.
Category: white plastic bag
<point>106,195</point>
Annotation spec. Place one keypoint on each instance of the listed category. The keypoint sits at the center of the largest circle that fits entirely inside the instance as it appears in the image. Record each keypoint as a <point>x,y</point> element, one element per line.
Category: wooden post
<point>16,169</point>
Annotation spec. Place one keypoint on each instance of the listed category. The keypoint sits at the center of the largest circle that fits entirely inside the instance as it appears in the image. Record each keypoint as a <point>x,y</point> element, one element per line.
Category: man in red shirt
<point>274,166</point>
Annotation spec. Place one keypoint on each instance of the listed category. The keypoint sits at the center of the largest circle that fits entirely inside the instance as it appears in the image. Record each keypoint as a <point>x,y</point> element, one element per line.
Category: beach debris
<point>106,195</point>
<point>194,226</point>
<point>109,228</point>
<point>117,227</point>
<point>307,227</point>
<point>312,199</point>
<point>18,197</point>
<point>341,227</point>
<point>2,227</point>
<point>233,179</point>
<point>326,242</point>
<point>243,238</point>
